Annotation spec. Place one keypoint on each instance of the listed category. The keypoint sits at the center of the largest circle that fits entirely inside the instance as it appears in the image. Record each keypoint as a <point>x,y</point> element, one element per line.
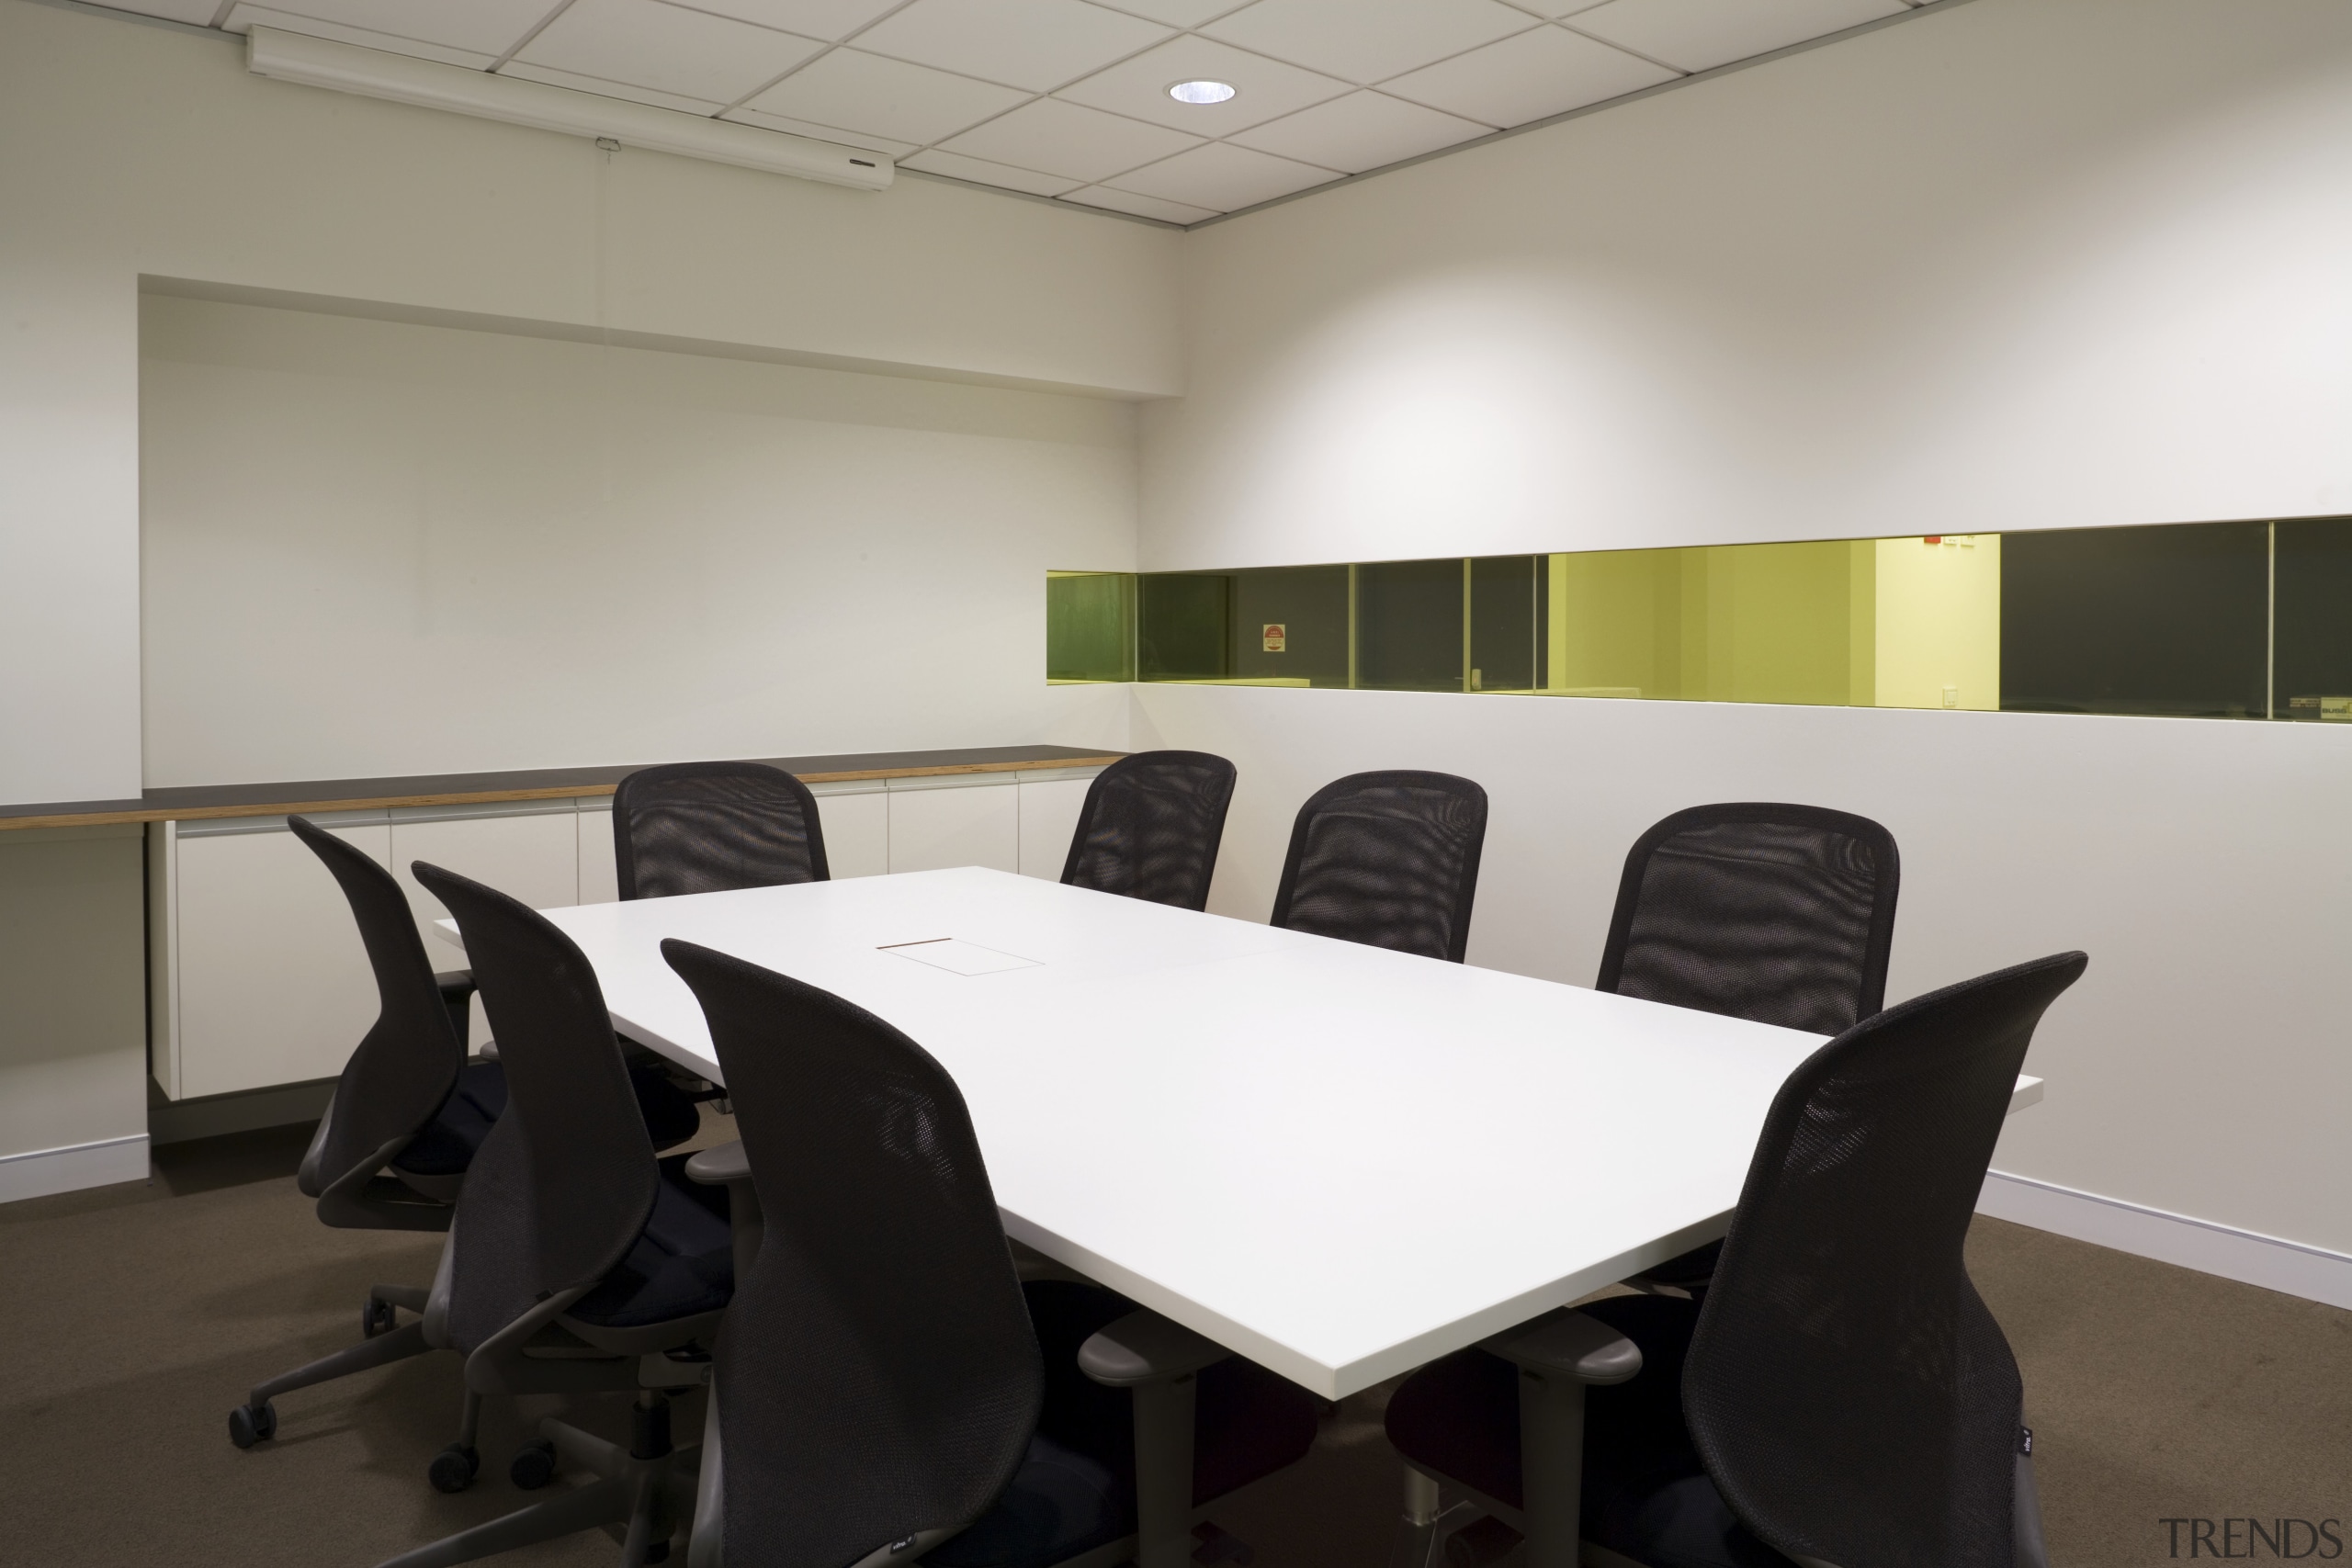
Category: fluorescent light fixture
<point>1200,91</point>
<point>374,74</point>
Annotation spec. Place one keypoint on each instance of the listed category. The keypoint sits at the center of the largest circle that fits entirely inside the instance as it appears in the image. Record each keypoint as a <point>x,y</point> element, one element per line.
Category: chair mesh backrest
<point>1782,913</point>
<point>1389,860</point>
<point>564,1182</point>
<point>876,1375</point>
<point>405,1067</point>
<point>1851,1395</point>
<point>1150,828</point>
<point>714,827</point>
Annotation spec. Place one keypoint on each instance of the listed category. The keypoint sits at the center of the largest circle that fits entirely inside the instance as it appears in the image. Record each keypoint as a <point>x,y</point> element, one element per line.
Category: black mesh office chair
<point>1386,859</point>
<point>1782,913</point>
<point>1842,1395</point>
<point>1150,828</point>
<point>713,827</point>
<point>407,1114</point>
<point>578,1261</point>
<point>880,1395</point>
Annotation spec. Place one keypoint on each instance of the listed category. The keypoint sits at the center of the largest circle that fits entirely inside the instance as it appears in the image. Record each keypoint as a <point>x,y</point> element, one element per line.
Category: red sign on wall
<point>1276,636</point>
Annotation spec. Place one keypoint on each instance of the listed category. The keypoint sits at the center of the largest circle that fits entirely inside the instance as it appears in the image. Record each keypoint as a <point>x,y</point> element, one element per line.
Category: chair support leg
<point>599,1502</point>
<point>412,1297</point>
<point>1551,1459</point>
<point>648,1521</point>
<point>470,1421</point>
<point>584,1449</point>
<point>1163,1415</point>
<point>385,1348</point>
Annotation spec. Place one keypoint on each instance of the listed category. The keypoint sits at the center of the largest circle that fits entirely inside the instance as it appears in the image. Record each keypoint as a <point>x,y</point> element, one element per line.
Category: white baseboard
<point>2288,1267</point>
<point>43,1172</point>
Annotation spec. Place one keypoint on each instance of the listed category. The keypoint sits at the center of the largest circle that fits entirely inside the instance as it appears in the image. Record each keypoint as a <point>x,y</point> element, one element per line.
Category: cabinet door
<point>955,825</point>
<point>599,876</point>
<point>857,832</point>
<point>531,856</point>
<point>1049,810</point>
<point>274,982</point>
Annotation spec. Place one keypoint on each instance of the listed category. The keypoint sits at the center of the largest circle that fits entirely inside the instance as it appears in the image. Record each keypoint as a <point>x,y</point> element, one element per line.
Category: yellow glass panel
<point>1939,624</point>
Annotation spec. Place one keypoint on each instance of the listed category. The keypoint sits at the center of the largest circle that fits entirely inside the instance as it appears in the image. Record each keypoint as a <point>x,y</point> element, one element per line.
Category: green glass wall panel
<point>1409,624</point>
<point>2169,620</point>
<point>1183,624</point>
<point>1310,603</point>
<point>1505,623</point>
<point>1090,625</point>
<point>2313,673</point>
<point>2190,620</point>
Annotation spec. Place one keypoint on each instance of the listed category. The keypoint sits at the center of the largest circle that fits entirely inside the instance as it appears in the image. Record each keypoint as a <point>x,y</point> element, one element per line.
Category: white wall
<point>133,149</point>
<point>73,1035</point>
<point>2202,1065</point>
<point>2017,263</point>
<point>374,547</point>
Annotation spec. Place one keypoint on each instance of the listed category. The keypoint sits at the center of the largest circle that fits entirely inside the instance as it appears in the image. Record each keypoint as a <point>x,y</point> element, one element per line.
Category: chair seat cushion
<point>1645,1492</point>
<point>671,1117</point>
<point>682,1264</point>
<point>447,1146</point>
<point>1060,1503</point>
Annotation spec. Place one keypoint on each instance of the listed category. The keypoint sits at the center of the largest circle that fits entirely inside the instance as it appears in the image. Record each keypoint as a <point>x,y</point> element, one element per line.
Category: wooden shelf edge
<point>490,796</point>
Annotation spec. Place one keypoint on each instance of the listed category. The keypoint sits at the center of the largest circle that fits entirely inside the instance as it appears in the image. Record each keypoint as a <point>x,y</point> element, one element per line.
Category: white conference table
<point>1338,1161</point>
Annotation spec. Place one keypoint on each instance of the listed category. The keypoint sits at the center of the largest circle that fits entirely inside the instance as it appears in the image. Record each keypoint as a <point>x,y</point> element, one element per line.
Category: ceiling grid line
<point>1047,98</point>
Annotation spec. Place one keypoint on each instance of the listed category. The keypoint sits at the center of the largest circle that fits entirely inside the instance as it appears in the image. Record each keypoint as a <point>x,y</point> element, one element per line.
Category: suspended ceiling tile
<point>1525,78</point>
<point>196,13</point>
<point>827,19</point>
<point>1362,131</point>
<point>580,83</point>
<point>979,171</point>
<point>1266,88</point>
<point>666,48</point>
<point>1069,139</point>
<point>1697,35</point>
<point>1222,176</point>
<point>483,29</point>
<point>1368,41</point>
<point>867,139</point>
<point>1175,12</point>
<point>1140,206</point>
<point>1037,44</point>
<point>888,97</point>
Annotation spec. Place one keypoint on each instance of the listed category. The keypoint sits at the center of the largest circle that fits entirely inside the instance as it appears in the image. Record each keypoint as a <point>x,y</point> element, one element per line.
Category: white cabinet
<point>856,822</point>
<point>257,976</point>
<point>270,984</point>
<point>1050,802</point>
<point>529,850</point>
<point>941,822</point>
<point>600,877</point>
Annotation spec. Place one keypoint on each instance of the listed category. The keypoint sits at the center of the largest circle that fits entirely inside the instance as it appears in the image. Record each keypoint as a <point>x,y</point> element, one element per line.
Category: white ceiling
<point>1068,98</point>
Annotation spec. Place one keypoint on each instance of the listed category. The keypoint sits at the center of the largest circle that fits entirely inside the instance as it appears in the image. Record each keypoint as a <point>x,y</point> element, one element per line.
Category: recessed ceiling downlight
<point>1200,91</point>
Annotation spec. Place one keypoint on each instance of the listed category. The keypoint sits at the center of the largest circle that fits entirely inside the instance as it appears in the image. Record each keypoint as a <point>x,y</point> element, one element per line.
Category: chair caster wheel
<point>453,1468</point>
<point>250,1424</point>
<point>533,1465</point>
<point>376,1317</point>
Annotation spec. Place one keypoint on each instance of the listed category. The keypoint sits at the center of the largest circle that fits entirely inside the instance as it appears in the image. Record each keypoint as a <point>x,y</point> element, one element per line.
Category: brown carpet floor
<point>135,1316</point>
